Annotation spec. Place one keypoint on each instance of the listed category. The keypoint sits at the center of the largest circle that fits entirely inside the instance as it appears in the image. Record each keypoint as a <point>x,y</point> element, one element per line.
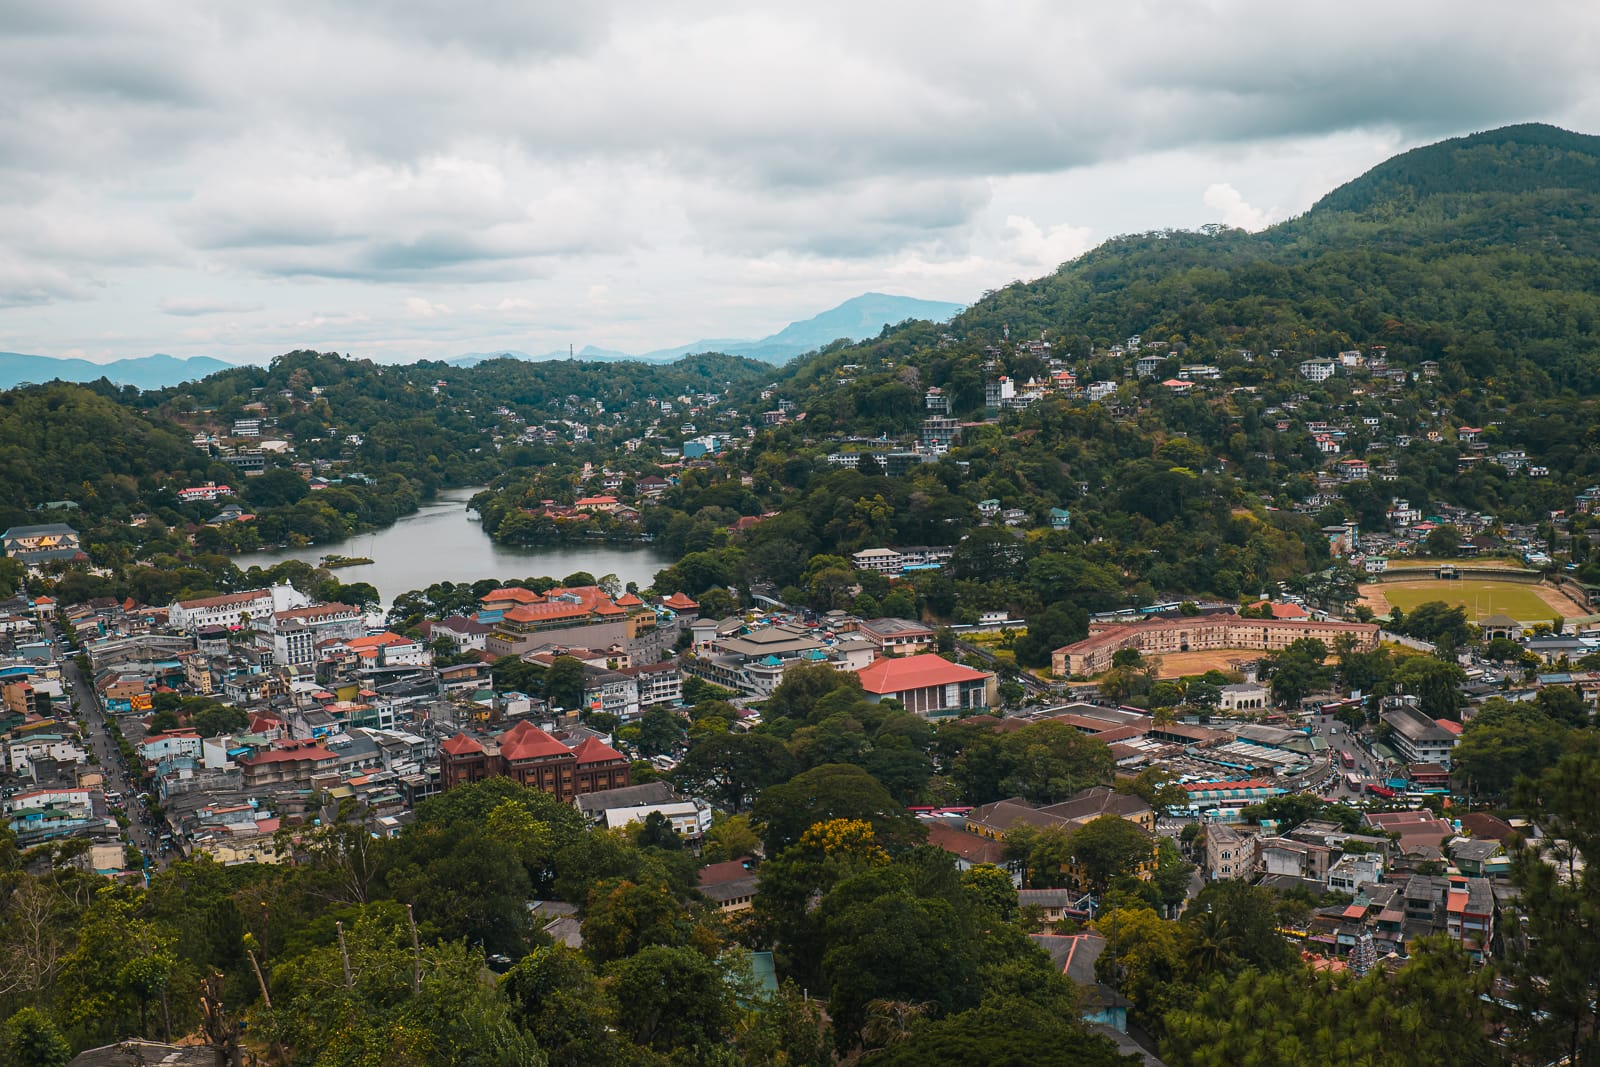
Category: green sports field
<point>1520,600</point>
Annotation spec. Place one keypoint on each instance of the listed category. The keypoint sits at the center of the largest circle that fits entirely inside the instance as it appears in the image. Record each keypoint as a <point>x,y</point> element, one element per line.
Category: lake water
<point>443,542</point>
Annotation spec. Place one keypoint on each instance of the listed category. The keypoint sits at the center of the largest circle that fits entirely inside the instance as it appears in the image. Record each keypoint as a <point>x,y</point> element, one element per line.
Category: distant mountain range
<point>145,372</point>
<point>856,319</point>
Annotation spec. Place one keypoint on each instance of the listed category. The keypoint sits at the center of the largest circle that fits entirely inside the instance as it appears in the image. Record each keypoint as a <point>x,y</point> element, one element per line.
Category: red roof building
<point>535,759</point>
<point>680,603</point>
<point>928,684</point>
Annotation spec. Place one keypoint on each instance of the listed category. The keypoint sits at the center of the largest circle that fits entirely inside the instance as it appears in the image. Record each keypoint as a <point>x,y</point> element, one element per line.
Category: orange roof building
<point>929,685</point>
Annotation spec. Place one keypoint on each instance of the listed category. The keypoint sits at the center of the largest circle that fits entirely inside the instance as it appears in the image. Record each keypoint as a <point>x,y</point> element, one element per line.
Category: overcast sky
<point>432,177</point>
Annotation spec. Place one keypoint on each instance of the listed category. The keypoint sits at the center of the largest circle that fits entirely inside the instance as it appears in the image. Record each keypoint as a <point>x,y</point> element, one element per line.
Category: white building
<point>230,609</point>
<point>882,560</point>
<point>1245,697</point>
<point>689,818</point>
<point>1318,370</point>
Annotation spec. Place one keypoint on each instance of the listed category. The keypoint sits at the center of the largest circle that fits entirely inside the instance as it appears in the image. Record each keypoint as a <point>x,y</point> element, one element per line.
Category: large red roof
<point>540,612</point>
<point>679,602</point>
<point>595,750</point>
<point>461,745</point>
<point>514,593</point>
<point>892,675</point>
<point>527,741</point>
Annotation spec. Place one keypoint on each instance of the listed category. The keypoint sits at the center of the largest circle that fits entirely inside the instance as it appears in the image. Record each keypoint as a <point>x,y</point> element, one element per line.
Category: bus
<point>1380,790</point>
<point>1347,759</point>
<point>1353,782</point>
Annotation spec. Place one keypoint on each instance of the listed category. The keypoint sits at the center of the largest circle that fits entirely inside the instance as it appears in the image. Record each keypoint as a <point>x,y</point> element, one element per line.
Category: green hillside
<point>1480,253</point>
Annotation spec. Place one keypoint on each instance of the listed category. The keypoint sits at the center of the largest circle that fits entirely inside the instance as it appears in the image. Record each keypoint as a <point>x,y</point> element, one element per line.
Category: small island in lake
<point>334,561</point>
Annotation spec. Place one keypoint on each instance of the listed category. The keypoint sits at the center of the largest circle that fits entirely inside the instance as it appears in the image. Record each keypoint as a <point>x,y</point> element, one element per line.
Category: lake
<point>443,542</point>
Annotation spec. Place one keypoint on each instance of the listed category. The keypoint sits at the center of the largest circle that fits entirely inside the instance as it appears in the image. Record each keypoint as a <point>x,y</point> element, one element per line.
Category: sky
<point>426,178</point>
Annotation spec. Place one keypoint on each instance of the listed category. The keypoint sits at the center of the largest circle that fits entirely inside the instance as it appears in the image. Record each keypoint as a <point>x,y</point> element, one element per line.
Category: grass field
<point>1179,664</point>
<point>1522,601</point>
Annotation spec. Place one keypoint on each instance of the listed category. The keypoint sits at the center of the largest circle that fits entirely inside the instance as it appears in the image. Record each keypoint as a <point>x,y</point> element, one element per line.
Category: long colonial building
<point>528,755</point>
<point>1201,633</point>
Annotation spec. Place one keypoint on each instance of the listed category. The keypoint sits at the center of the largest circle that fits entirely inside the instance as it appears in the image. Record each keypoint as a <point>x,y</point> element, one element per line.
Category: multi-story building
<point>882,560</point>
<point>580,617</point>
<point>534,758</point>
<point>659,683</point>
<point>897,637</point>
<point>939,433</point>
<point>1200,633</point>
<point>1418,738</point>
<point>233,610</point>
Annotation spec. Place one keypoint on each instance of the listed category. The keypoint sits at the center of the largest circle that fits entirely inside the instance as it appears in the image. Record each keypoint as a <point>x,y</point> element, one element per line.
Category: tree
<point>783,813</point>
<point>676,999</point>
<point>659,732</point>
<point>1050,761</point>
<point>1563,704</point>
<point>1142,960</point>
<point>563,682</point>
<point>1108,848</point>
<point>804,687</point>
<point>1298,671</point>
<point>1231,926</point>
<point>1002,1031</point>
<point>1436,621</point>
<point>729,838</point>
<point>1554,968</point>
<point>1443,541</point>
<point>622,917</point>
<point>30,1039</point>
<point>1434,682</point>
<point>732,768</point>
<point>887,943</point>
<point>1325,1020</point>
<point>556,998</point>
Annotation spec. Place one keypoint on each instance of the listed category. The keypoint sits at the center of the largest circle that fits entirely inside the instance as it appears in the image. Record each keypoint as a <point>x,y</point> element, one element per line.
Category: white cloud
<point>418,308</point>
<point>755,164</point>
<point>1047,249</point>
<point>1230,205</point>
<point>191,306</point>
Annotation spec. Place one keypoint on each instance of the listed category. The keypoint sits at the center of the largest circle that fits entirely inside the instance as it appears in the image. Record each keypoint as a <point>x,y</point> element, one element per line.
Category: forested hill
<point>1481,253</point>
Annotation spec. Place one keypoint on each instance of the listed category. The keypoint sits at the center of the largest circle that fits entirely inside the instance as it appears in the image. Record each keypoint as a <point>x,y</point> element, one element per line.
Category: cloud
<point>1227,202</point>
<point>318,152</point>
<point>417,307</point>
<point>1046,248</point>
<point>24,284</point>
<point>191,306</point>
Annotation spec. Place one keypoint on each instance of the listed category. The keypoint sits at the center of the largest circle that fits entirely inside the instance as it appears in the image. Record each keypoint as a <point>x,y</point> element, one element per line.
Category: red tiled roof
<point>515,593</point>
<point>679,602</point>
<point>376,641</point>
<point>915,672</point>
<point>628,600</point>
<point>527,741</point>
<point>540,612</point>
<point>725,872</point>
<point>461,745</point>
<point>226,600</point>
<point>595,750</point>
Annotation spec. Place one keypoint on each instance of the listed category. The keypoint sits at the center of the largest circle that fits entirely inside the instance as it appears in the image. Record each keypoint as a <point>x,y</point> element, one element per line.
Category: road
<point>1367,768</point>
<point>113,768</point>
